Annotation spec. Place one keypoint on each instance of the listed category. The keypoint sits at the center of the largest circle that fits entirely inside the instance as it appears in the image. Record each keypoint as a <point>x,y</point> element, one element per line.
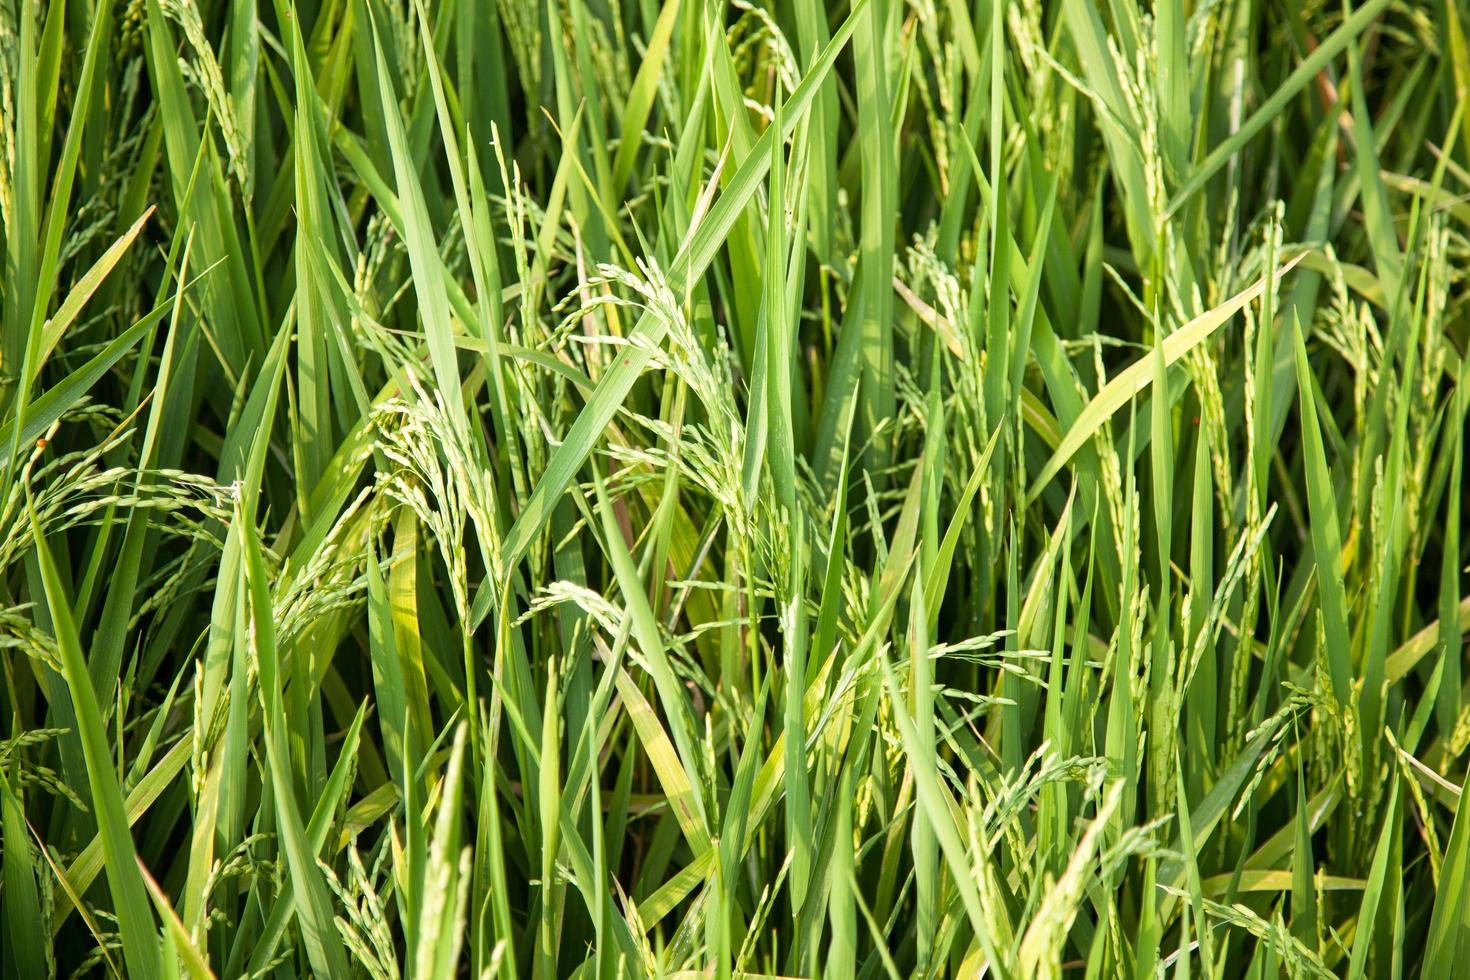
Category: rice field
<point>736,488</point>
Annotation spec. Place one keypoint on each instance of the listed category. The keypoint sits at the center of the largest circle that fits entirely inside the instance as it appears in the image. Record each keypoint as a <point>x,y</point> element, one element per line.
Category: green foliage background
<point>596,488</point>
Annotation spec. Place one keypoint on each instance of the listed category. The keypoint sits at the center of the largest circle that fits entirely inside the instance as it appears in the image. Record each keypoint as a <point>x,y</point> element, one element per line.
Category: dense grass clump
<point>765,488</point>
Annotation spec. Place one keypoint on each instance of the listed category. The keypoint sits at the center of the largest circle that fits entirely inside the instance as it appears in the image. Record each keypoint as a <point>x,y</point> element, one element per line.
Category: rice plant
<point>738,488</point>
